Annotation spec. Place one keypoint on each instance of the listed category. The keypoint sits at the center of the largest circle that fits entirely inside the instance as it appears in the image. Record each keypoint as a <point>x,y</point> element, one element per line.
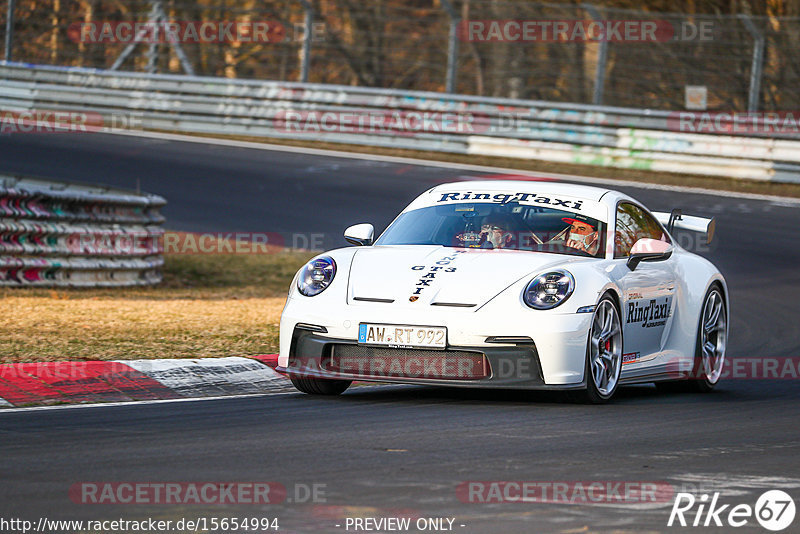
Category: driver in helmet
<point>581,234</point>
<point>496,232</point>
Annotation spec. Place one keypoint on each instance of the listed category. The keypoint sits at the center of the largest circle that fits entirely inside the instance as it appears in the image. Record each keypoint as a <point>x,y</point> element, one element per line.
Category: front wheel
<point>604,352</point>
<point>320,386</point>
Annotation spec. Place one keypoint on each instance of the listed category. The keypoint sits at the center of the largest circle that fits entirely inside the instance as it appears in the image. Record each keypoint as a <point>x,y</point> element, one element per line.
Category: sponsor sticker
<point>630,357</point>
<point>505,198</point>
<point>652,313</point>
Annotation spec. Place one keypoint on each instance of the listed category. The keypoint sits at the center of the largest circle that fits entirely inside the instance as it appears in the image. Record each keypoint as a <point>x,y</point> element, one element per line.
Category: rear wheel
<point>712,339</point>
<point>604,352</point>
<point>320,386</point>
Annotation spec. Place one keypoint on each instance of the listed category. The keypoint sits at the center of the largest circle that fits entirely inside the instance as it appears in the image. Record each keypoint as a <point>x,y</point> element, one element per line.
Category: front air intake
<point>383,362</point>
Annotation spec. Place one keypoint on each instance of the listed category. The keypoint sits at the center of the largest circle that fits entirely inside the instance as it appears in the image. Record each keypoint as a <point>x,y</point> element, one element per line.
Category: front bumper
<point>559,339</point>
<point>313,354</point>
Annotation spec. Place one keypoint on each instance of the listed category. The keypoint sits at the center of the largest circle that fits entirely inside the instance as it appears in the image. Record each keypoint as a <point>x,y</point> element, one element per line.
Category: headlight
<point>316,275</point>
<point>548,290</point>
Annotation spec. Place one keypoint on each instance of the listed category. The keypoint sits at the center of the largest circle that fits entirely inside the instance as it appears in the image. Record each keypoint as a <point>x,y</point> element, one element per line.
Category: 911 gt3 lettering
<point>426,279</point>
<point>505,198</point>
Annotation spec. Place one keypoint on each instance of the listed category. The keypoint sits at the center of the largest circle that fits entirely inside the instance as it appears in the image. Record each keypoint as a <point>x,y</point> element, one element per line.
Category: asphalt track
<point>383,451</point>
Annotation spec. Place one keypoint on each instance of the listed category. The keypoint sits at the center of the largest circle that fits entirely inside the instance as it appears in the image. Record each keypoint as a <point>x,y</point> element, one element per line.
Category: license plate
<point>403,336</point>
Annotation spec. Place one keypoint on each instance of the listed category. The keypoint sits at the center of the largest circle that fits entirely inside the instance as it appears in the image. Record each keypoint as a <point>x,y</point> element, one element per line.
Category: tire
<point>320,386</point>
<point>712,340</point>
<point>709,351</point>
<point>603,352</point>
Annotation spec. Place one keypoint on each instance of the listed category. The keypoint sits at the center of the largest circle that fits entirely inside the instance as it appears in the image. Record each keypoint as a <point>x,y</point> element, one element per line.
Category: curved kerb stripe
<point>120,381</point>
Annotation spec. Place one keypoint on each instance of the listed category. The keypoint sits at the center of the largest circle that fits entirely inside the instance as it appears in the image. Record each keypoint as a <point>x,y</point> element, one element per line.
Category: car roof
<point>524,186</point>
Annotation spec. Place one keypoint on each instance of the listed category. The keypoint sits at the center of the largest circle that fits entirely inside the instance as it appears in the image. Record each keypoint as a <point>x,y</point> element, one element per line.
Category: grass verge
<point>207,306</point>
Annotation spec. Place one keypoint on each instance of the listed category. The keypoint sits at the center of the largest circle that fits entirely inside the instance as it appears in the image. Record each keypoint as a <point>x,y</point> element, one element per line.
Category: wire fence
<point>501,48</point>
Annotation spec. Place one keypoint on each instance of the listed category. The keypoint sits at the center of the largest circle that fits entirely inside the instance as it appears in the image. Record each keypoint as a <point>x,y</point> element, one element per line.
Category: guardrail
<point>70,235</point>
<point>570,133</point>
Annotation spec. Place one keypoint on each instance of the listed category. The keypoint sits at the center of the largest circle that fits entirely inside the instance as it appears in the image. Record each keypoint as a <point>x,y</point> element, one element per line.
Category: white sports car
<point>510,284</point>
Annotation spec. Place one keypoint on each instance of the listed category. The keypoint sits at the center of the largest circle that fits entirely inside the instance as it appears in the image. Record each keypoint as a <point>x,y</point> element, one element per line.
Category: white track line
<point>139,403</point>
<point>291,391</point>
<point>783,201</point>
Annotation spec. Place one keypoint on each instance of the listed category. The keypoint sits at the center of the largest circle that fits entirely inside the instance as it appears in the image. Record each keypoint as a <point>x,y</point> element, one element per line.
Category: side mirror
<point>361,235</point>
<point>648,250</point>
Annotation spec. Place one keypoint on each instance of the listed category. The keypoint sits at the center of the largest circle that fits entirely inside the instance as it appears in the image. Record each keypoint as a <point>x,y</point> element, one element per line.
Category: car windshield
<point>506,226</point>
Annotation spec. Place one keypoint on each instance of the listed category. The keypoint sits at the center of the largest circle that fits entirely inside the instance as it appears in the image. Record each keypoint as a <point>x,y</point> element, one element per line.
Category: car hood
<point>415,275</point>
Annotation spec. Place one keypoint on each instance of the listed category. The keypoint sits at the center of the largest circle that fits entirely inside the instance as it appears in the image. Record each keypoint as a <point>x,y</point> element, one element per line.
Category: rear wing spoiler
<point>676,219</point>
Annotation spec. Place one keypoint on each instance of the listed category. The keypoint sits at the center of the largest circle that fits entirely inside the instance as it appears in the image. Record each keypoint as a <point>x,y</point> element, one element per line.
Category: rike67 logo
<point>774,510</point>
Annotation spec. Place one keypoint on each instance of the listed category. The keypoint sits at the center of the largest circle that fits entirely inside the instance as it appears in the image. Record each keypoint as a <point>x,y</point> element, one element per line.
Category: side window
<point>633,224</point>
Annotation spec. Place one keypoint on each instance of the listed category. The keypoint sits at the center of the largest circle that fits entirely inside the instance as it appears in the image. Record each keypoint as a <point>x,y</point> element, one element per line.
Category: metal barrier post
<point>10,29</point>
<point>602,60</point>
<point>187,66</point>
<point>157,15</point>
<point>756,66</point>
<point>452,46</point>
<point>152,58</point>
<point>306,53</point>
